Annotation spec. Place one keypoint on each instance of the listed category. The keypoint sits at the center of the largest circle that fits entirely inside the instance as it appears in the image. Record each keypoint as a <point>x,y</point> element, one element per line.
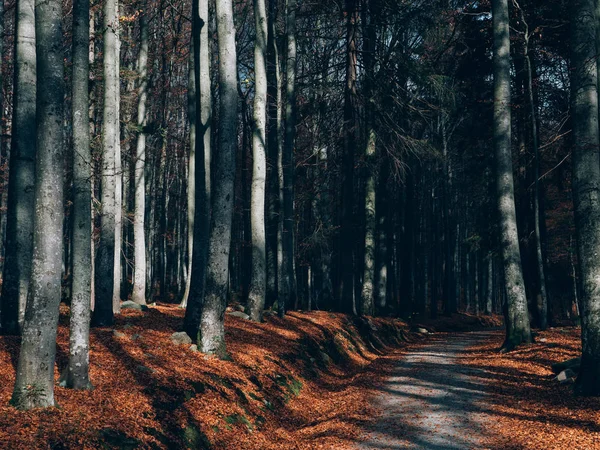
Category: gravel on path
<point>432,401</point>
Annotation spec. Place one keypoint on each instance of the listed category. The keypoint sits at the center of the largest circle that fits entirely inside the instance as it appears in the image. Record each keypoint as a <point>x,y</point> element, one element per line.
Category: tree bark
<point>350,139</point>
<point>202,157</point>
<point>256,297</point>
<point>77,372</point>
<point>586,188</point>
<point>211,336</point>
<point>517,326</point>
<point>139,240</point>
<point>105,260</point>
<point>287,279</point>
<point>19,226</point>
<point>367,292</point>
<point>34,385</point>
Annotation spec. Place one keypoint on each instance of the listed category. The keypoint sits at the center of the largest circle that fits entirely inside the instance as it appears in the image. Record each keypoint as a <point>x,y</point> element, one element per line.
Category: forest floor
<point>312,380</point>
<point>455,391</point>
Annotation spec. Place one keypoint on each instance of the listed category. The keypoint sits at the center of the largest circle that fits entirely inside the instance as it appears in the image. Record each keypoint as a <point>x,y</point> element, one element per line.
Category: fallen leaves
<point>279,390</point>
<point>531,410</point>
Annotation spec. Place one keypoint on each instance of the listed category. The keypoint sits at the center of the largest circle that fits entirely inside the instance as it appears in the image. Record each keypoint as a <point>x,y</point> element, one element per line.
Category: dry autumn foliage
<point>531,410</point>
<point>297,383</point>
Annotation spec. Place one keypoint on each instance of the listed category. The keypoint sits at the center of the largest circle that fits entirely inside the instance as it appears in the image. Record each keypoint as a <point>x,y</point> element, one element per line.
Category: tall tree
<point>34,385</point>
<point>586,187</point>
<point>517,317</point>
<point>139,240</point>
<point>350,140</point>
<point>256,297</point>
<point>201,110</point>
<point>367,293</point>
<point>19,225</point>
<point>105,259</point>
<point>287,278</point>
<point>77,372</point>
<point>211,336</point>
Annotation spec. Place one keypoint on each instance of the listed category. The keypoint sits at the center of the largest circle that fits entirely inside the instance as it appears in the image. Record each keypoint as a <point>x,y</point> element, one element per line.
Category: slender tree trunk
<point>105,263</point>
<point>193,100</point>
<point>34,385</point>
<point>256,297</point>
<point>586,188</point>
<point>77,372</point>
<point>202,185</point>
<point>288,275</point>
<point>116,294</point>
<point>367,293</point>
<point>273,206</point>
<point>350,139</point>
<point>517,326</point>
<point>19,225</point>
<point>211,336</point>
<point>139,213</point>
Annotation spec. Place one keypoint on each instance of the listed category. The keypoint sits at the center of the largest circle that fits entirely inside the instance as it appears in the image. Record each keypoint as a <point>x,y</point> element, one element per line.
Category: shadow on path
<point>432,401</point>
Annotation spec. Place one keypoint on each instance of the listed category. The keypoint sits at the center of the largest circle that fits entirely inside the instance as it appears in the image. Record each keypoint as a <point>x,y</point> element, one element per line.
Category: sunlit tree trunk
<point>211,336</point>
<point>77,372</point>
<point>19,226</point>
<point>586,187</point>
<point>34,385</point>
<point>139,241</point>
<point>517,326</point>
<point>105,260</point>
<point>256,297</point>
<point>116,293</point>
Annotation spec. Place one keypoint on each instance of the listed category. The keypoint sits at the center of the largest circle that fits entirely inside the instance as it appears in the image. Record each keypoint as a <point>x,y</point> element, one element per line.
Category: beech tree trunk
<point>256,296</point>
<point>211,336</point>
<point>34,385</point>
<point>586,188</point>
<point>139,241</point>
<point>19,225</point>
<point>287,280</point>
<point>108,246</point>
<point>77,372</point>
<point>202,112</point>
<point>517,320</point>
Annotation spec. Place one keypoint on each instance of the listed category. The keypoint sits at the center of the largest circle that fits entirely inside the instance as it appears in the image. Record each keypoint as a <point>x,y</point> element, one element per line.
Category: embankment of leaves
<point>531,410</point>
<point>297,382</point>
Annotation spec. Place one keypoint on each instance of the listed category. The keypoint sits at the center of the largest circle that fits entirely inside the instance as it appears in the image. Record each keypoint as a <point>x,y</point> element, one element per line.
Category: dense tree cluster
<point>374,157</point>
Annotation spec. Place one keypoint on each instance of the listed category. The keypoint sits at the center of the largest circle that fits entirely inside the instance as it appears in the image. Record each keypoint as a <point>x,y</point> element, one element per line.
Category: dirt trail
<point>432,401</point>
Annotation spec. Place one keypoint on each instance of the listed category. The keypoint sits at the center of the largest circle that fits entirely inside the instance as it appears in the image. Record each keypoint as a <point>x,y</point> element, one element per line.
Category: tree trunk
<point>367,294</point>
<point>288,275</point>
<point>273,143</point>
<point>586,188</point>
<point>211,336</point>
<point>77,373</point>
<point>517,326</point>
<point>34,385</point>
<point>256,297</point>
<point>350,139</point>
<point>108,246</point>
<point>116,294</point>
<point>19,225</point>
<point>139,241</point>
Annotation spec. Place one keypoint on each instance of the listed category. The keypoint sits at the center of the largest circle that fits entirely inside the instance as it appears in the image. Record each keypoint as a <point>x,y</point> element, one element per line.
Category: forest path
<point>432,400</point>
